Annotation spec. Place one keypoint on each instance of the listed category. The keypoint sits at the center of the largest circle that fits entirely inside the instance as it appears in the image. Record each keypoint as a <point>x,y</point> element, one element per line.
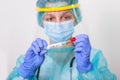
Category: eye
<point>66,17</point>
<point>50,19</point>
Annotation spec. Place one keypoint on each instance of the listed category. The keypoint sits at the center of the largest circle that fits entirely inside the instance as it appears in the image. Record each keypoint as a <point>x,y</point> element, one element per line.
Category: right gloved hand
<point>33,58</point>
<point>82,53</point>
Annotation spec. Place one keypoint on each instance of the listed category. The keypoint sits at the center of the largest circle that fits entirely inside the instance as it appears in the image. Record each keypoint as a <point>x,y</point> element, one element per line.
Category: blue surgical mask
<point>60,31</point>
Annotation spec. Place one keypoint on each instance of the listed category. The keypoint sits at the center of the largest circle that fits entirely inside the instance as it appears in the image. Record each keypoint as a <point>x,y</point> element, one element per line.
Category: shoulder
<point>97,58</point>
<point>95,53</point>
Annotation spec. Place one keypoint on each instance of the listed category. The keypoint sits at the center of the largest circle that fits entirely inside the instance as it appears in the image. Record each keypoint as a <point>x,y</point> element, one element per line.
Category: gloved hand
<point>33,58</point>
<point>82,53</point>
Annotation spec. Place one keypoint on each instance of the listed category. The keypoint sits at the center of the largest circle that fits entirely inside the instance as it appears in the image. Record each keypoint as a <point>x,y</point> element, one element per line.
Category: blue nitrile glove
<point>82,53</point>
<point>33,58</point>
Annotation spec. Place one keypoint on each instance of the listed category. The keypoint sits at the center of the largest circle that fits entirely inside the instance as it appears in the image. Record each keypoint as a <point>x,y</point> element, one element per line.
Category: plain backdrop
<point>18,28</point>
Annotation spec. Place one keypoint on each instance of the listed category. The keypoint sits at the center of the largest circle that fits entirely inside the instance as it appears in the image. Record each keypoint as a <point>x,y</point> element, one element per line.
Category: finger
<point>80,44</point>
<point>43,52</point>
<point>78,50</point>
<point>34,50</point>
<point>77,55</point>
<point>44,43</point>
<point>80,54</point>
<point>40,43</point>
<point>80,40</point>
<point>29,54</point>
<point>36,46</point>
<point>81,37</point>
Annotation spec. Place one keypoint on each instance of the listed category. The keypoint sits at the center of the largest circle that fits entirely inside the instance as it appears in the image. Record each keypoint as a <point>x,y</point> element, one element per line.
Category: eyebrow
<point>62,13</point>
<point>66,12</point>
<point>48,15</point>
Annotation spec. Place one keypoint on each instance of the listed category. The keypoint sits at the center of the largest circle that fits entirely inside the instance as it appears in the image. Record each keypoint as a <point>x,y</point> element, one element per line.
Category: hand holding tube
<point>82,53</point>
<point>33,59</point>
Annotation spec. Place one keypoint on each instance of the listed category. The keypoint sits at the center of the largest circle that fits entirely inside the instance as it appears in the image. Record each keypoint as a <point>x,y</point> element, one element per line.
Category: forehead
<point>59,12</point>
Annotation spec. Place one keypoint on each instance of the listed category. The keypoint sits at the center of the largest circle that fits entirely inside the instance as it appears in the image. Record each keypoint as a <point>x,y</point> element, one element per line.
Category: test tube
<point>61,43</point>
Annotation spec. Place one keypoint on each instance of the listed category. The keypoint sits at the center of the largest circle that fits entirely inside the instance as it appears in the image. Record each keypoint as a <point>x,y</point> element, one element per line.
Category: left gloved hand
<point>34,58</point>
<point>82,53</point>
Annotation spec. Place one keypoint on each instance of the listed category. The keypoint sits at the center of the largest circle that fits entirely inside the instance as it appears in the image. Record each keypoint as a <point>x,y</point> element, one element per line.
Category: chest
<point>57,72</point>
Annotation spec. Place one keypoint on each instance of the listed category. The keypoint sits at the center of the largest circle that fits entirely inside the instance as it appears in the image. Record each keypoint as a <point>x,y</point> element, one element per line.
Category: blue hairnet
<point>42,3</point>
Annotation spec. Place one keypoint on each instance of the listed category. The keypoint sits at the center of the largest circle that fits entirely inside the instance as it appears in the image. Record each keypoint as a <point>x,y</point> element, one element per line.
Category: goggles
<point>58,8</point>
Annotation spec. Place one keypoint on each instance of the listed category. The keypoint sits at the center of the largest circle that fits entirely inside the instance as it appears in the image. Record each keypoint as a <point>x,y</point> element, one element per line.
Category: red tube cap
<point>72,39</point>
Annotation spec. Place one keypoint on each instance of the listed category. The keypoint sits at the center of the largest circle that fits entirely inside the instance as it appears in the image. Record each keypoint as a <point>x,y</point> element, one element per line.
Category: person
<point>74,61</point>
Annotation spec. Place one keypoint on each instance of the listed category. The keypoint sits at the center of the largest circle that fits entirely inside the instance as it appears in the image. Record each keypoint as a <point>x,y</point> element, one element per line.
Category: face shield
<point>56,6</point>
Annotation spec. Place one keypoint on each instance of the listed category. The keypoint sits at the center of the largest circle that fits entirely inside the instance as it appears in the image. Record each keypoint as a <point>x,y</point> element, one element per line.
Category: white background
<point>18,28</point>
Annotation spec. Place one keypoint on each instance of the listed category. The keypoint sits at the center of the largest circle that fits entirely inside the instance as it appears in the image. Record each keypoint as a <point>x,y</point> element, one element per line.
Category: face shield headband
<point>57,8</point>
